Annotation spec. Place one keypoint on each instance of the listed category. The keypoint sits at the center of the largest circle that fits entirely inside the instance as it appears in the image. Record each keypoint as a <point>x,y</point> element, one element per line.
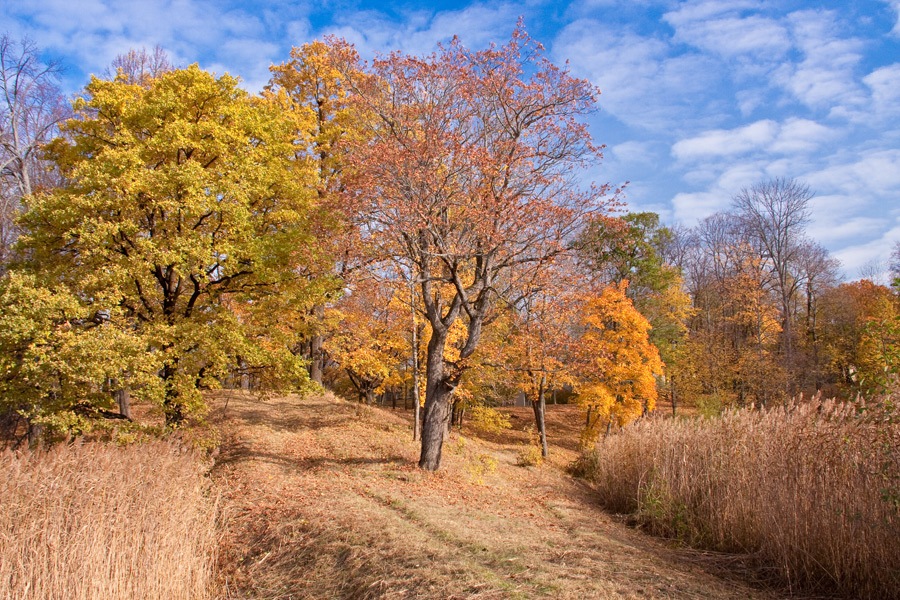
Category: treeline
<point>770,317</point>
<point>407,223</point>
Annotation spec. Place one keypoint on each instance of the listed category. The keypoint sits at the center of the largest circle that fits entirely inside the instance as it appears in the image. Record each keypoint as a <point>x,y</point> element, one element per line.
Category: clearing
<point>321,498</point>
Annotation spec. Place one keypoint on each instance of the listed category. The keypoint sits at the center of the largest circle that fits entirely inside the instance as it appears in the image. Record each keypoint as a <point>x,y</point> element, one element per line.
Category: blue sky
<point>699,98</point>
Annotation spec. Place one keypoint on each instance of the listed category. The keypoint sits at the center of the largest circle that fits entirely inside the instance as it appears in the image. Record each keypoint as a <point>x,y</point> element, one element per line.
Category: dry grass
<point>322,499</point>
<point>92,521</point>
<point>810,489</point>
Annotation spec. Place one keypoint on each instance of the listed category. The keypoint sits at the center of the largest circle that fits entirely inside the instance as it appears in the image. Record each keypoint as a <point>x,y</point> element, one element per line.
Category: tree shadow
<point>236,451</point>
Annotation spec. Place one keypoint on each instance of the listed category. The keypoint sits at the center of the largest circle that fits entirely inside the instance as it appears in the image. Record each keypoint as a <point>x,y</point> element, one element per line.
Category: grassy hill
<point>321,498</point>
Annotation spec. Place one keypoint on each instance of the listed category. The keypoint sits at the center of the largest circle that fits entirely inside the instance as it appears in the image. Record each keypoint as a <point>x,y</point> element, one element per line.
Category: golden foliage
<point>618,364</point>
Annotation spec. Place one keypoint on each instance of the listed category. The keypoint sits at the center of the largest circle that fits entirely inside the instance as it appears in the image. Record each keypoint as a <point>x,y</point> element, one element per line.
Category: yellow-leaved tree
<point>183,199</point>
<point>617,365</point>
<point>370,339</point>
<point>311,82</point>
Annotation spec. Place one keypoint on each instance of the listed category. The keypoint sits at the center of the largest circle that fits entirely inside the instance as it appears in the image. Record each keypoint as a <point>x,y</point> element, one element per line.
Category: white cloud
<point>726,142</point>
<point>419,33</point>
<point>885,86</point>
<point>825,78</point>
<point>872,174</point>
<point>839,217</point>
<point>634,152</point>
<point>706,10</point>
<point>856,256</point>
<point>729,35</point>
<point>895,4</point>
<point>794,137</point>
<point>643,84</point>
<point>90,33</point>
<point>693,206</point>
<point>298,32</point>
<point>801,136</point>
<point>688,208</point>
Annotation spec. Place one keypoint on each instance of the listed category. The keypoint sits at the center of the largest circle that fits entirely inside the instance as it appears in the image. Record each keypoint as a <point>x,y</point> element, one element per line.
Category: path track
<point>322,499</point>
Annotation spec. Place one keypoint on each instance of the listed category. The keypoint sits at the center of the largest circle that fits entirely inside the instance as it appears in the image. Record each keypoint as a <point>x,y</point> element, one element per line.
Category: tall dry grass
<point>92,521</point>
<point>810,489</point>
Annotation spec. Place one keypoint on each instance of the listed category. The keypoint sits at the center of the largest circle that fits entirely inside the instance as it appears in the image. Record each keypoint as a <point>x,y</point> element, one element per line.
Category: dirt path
<point>322,499</point>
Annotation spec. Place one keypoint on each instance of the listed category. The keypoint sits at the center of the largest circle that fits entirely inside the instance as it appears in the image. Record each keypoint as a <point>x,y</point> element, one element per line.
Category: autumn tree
<point>31,109</point>
<point>316,79</point>
<point>56,357</point>
<point>819,273</point>
<point>731,350</point>
<point>631,248</point>
<point>775,213</point>
<point>465,179</point>
<point>370,342</point>
<point>859,332</point>
<point>617,364</point>
<point>634,248</point>
<point>183,198</point>
<point>543,337</point>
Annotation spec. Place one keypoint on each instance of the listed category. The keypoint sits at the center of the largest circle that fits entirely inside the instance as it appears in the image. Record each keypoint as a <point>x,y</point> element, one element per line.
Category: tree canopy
<point>182,195</point>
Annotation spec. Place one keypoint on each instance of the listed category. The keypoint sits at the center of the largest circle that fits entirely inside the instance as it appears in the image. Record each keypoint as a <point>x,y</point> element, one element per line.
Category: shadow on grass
<point>233,454</point>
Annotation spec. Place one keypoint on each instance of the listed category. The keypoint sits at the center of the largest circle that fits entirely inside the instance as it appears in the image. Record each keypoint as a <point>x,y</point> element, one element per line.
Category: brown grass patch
<point>809,490</point>
<point>97,522</point>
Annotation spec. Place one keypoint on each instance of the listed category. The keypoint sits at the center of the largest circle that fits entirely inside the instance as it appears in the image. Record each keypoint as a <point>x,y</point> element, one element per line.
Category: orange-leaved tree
<point>465,179</point>
<point>617,363</point>
<point>859,327</point>
<point>370,338</point>
<point>541,339</point>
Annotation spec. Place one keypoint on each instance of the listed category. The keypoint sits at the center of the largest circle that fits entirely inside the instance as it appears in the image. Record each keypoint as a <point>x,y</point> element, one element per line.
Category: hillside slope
<point>322,499</point>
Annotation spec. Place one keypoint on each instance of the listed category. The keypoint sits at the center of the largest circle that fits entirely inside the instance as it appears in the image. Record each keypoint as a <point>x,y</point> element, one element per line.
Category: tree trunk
<point>438,396</point>
<point>674,398</point>
<point>123,398</point>
<point>35,435</point>
<point>538,408</point>
<point>417,418</point>
<point>316,355</point>
<point>172,406</point>
<point>437,405</point>
<point>245,377</point>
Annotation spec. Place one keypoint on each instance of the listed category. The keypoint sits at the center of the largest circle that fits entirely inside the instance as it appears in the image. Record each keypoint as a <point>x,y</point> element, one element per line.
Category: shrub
<point>487,419</point>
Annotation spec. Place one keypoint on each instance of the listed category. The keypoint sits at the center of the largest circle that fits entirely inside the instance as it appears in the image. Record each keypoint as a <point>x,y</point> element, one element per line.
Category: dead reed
<point>811,489</point>
<point>92,521</point>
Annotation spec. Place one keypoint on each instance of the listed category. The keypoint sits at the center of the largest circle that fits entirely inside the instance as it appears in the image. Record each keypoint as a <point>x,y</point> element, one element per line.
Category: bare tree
<point>31,108</point>
<point>875,270</point>
<point>776,213</point>
<point>895,265</point>
<point>140,66</point>
<point>819,272</point>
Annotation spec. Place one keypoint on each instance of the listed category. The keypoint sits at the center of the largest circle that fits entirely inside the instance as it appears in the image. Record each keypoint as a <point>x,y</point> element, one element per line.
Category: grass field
<point>809,491</point>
